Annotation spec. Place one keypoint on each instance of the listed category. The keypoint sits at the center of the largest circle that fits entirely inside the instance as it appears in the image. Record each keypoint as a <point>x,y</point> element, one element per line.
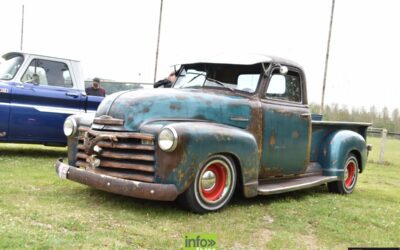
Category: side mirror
<point>283,70</point>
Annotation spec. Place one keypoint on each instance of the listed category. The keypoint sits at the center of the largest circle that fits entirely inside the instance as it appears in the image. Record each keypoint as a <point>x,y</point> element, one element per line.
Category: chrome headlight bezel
<point>70,127</point>
<point>168,139</point>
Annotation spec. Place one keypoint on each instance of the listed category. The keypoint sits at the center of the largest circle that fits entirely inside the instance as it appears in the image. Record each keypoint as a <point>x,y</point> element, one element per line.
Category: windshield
<point>9,68</point>
<point>233,77</point>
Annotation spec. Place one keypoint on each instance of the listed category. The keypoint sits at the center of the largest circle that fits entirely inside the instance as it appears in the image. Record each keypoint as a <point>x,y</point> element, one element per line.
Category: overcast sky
<point>117,39</point>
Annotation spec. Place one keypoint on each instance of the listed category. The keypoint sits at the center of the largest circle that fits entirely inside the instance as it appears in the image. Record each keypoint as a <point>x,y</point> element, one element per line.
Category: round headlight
<point>69,127</point>
<point>168,139</point>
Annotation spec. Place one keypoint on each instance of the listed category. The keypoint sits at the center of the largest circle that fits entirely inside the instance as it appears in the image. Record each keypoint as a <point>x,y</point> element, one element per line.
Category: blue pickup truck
<point>37,94</point>
<point>228,124</point>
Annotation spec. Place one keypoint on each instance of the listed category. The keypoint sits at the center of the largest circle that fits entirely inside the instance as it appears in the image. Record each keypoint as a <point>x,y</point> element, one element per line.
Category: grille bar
<point>133,166</point>
<point>123,175</point>
<point>104,144</point>
<point>127,135</point>
<point>126,156</point>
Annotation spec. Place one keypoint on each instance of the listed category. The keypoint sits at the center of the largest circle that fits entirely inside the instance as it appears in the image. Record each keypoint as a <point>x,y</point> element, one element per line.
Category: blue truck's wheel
<point>213,186</point>
<point>347,185</point>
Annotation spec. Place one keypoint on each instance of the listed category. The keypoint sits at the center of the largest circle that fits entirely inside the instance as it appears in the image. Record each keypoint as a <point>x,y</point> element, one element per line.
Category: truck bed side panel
<point>321,130</point>
<point>331,142</point>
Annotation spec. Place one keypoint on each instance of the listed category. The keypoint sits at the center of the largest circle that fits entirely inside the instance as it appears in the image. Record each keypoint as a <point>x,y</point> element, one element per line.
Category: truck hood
<point>144,106</point>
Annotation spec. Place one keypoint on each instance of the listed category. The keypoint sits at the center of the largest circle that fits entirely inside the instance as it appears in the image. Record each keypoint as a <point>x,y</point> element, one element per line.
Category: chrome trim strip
<point>239,119</point>
<point>48,109</point>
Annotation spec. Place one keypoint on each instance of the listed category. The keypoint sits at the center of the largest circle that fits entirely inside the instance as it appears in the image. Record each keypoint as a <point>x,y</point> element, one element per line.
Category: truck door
<point>4,109</point>
<point>41,103</point>
<point>286,125</point>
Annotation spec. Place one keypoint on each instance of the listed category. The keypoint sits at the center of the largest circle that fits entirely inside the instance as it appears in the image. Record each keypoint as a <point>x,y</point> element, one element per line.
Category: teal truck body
<point>226,125</point>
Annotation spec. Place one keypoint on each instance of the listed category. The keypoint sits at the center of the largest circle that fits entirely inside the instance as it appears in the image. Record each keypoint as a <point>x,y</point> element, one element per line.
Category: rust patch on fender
<point>174,106</point>
<point>272,139</point>
<point>145,110</point>
<point>256,125</point>
<point>295,135</point>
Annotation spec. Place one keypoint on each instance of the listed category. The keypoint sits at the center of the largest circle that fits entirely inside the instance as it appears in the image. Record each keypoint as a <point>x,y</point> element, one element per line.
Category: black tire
<point>348,184</point>
<point>213,186</point>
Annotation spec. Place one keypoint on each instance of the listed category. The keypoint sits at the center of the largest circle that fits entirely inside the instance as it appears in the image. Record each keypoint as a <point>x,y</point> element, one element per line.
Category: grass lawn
<point>39,210</point>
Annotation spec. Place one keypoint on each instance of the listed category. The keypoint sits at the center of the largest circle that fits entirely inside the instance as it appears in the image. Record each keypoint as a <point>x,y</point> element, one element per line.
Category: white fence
<point>383,134</point>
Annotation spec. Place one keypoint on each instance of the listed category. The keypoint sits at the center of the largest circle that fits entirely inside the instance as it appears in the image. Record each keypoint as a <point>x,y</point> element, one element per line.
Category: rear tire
<point>348,184</point>
<point>213,186</point>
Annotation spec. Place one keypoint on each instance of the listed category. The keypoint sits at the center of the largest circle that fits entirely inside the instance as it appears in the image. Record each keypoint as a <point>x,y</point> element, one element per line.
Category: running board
<point>282,186</point>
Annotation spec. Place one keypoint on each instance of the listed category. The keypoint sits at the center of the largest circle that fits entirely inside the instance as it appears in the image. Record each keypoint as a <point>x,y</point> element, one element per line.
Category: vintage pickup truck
<point>227,124</point>
<point>37,94</point>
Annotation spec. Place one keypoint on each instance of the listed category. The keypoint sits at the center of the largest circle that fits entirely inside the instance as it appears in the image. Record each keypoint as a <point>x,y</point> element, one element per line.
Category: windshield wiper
<point>194,78</point>
<point>218,82</point>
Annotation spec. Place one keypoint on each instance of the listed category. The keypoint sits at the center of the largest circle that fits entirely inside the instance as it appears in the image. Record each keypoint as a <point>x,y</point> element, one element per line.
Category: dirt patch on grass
<point>260,240</point>
<point>309,241</point>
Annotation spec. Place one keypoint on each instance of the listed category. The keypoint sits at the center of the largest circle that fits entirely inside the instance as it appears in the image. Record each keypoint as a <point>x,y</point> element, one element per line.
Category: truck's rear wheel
<point>347,185</point>
<point>212,187</point>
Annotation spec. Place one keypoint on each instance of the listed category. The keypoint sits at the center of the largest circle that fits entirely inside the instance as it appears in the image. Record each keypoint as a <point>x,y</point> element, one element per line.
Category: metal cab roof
<point>12,54</point>
<point>241,59</point>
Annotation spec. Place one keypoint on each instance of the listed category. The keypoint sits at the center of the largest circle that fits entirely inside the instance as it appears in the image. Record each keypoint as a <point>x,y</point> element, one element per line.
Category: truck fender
<point>335,149</point>
<point>197,141</point>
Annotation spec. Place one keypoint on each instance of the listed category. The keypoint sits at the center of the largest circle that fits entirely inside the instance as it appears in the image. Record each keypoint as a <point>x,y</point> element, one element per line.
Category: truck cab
<point>227,122</point>
<point>37,93</point>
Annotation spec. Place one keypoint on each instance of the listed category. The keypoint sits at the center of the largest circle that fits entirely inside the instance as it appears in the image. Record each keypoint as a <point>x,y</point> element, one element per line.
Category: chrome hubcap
<point>208,180</point>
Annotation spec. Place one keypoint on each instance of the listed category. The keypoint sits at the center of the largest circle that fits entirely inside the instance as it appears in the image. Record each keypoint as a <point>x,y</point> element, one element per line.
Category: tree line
<point>379,118</point>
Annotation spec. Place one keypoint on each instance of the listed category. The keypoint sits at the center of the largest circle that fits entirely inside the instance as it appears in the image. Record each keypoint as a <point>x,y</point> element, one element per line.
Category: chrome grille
<point>118,154</point>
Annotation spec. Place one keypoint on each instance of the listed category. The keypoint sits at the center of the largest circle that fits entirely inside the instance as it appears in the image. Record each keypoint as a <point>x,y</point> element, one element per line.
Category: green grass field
<point>39,210</point>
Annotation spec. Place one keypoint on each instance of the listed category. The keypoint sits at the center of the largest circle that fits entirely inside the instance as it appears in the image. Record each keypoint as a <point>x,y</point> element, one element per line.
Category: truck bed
<point>322,129</point>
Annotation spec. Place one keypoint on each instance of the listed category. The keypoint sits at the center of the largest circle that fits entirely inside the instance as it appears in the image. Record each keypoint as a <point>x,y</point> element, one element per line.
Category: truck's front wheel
<point>347,185</point>
<point>212,187</point>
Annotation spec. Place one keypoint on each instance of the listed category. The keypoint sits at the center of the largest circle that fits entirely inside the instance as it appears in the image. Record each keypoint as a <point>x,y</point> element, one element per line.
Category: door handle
<point>305,115</point>
<point>72,94</point>
<point>20,85</point>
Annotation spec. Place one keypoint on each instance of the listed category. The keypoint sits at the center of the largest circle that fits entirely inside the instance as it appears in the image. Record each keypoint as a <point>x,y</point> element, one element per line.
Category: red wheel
<point>213,181</point>
<point>350,174</point>
<point>348,183</point>
<point>213,186</point>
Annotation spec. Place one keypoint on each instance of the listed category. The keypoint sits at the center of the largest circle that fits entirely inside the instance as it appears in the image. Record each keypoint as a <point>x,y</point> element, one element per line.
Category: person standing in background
<point>167,82</point>
<point>95,89</point>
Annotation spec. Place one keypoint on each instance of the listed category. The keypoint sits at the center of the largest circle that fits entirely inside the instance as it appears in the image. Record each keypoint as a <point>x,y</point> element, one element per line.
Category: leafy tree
<point>379,119</point>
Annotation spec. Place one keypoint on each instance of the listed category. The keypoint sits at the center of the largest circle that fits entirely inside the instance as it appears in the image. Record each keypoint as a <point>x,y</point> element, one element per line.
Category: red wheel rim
<point>351,173</point>
<point>217,189</point>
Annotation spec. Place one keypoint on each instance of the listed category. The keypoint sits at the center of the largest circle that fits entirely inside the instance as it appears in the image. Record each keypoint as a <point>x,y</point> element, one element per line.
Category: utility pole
<point>327,58</point>
<point>158,41</point>
<point>22,27</point>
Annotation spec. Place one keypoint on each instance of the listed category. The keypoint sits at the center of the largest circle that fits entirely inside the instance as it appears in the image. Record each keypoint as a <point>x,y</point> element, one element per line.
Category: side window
<point>49,73</point>
<point>285,87</point>
<point>248,82</point>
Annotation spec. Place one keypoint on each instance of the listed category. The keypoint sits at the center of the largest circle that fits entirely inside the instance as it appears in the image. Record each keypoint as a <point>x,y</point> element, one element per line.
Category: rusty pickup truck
<point>228,124</point>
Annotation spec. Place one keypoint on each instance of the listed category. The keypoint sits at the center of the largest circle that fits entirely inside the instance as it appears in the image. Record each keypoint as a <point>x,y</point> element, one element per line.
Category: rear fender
<point>335,149</point>
<point>197,141</point>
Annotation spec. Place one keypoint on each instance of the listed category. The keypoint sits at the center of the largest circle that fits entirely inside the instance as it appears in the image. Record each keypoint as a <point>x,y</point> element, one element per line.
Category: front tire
<point>213,186</point>
<point>348,184</point>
